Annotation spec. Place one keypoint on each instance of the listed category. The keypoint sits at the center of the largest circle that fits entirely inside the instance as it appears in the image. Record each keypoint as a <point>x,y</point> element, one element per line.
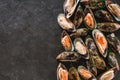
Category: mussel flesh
<point>100,41</point>
<point>65,23</point>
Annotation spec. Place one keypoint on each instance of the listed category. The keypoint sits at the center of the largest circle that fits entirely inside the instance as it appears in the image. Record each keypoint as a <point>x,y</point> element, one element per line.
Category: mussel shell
<point>103,15</point>
<point>100,41</point>
<point>114,42</point>
<point>70,7</point>
<point>65,23</point>
<point>112,60</point>
<point>114,9</point>
<point>73,74</point>
<point>108,27</point>
<point>109,74</point>
<point>89,19</point>
<point>62,73</point>
<point>81,48</point>
<point>66,41</point>
<point>85,74</point>
<point>81,32</point>
<point>68,56</point>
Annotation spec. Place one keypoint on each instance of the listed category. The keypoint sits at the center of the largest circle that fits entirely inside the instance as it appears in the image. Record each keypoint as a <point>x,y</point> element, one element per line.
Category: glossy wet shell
<point>101,42</point>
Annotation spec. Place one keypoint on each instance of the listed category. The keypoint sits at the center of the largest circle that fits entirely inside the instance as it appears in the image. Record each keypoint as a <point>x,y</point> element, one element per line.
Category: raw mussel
<point>89,19</point>
<point>62,73</point>
<point>112,60</point>
<point>86,74</point>
<point>100,41</point>
<point>68,56</point>
<point>65,23</point>
<point>108,27</point>
<point>70,7</point>
<point>73,74</point>
<point>81,48</point>
<point>114,42</point>
<point>66,41</point>
<point>103,15</point>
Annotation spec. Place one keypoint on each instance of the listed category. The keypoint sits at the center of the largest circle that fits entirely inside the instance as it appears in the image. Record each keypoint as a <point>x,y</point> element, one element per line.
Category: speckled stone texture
<point>30,39</point>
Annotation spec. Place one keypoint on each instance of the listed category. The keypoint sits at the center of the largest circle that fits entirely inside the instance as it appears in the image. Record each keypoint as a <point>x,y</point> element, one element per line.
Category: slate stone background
<point>30,39</point>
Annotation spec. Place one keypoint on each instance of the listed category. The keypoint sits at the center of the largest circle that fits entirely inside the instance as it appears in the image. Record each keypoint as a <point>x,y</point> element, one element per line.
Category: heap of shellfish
<point>89,41</point>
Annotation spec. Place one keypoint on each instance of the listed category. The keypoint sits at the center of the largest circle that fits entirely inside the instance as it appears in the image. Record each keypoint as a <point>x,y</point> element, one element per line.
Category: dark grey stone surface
<point>30,39</point>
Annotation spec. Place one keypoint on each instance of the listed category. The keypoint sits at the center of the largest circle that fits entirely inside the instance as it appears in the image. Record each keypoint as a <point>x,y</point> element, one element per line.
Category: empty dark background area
<point>30,39</point>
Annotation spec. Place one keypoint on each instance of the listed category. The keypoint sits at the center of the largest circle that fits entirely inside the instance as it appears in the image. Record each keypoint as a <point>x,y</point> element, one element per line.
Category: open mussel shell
<point>100,41</point>
<point>65,23</point>
<point>85,74</point>
<point>81,32</point>
<point>62,73</point>
<point>70,7</point>
<point>103,15</point>
<point>89,19</point>
<point>73,74</point>
<point>112,60</point>
<point>81,48</point>
<point>108,27</point>
<point>66,41</point>
<point>109,74</point>
<point>97,4</point>
<point>114,42</point>
<point>68,56</point>
<point>114,9</point>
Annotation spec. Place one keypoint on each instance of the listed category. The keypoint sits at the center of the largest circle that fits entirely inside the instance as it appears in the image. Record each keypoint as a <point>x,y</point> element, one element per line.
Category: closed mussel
<point>62,73</point>
<point>100,41</point>
<point>68,56</point>
<point>65,23</point>
<point>81,48</point>
<point>73,74</point>
<point>66,41</point>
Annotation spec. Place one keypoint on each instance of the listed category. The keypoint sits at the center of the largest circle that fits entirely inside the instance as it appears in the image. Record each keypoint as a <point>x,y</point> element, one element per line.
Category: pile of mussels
<point>89,40</point>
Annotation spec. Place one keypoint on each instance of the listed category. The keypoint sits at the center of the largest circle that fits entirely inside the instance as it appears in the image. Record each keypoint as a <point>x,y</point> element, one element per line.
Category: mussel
<point>66,41</point>
<point>103,15</point>
<point>86,74</point>
<point>108,27</point>
<point>112,60</point>
<point>73,74</point>
<point>81,48</point>
<point>108,75</point>
<point>100,41</point>
<point>114,42</point>
<point>68,56</point>
<point>62,73</point>
<point>65,23</point>
<point>89,19</point>
<point>70,7</point>
<point>81,32</point>
<point>114,9</point>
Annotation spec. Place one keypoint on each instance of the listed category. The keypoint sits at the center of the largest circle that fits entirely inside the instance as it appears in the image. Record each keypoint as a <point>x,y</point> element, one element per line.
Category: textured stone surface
<point>30,39</point>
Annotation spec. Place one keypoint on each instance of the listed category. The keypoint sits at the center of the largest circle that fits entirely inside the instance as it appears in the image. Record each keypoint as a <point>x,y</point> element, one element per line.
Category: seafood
<point>65,23</point>
<point>114,42</point>
<point>66,41</point>
<point>73,74</point>
<point>62,73</point>
<point>68,56</point>
<point>79,33</point>
<point>81,48</point>
<point>89,20</point>
<point>103,15</point>
<point>100,41</point>
<point>114,9</point>
<point>112,60</point>
<point>108,75</point>
<point>108,27</point>
<point>70,7</point>
<point>85,74</point>
<point>85,2</point>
